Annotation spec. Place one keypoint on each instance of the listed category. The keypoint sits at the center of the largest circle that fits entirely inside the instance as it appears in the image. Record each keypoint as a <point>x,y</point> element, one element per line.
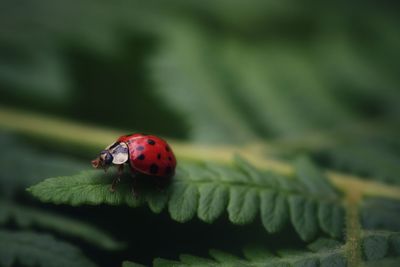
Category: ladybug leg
<point>162,184</point>
<point>135,186</point>
<point>114,184</point>
<point>117,179</point>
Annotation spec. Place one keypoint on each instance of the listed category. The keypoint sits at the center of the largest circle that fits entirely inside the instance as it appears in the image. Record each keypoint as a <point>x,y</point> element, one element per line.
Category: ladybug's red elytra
<point>145,154</point>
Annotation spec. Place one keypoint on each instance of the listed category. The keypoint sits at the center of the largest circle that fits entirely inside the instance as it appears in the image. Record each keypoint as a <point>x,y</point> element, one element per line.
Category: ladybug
<point>145,154</point>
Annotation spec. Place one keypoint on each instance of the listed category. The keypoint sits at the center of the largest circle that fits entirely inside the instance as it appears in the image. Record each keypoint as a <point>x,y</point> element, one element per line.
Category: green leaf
<point>243,205</point>
<point>212,202</point>
<point>380,214</point>
<point>27,217</point>
<point>375,247</point>
<point>323,244</point>
<point>249,91</point>
<point>330,218</point>
<point>227,258</point>
<point>185,61</point>
<point>157,202</point>
<point>313,179</point>
<point>274,211</point>
<point>322,252</point>
<point>32,249</point>
<point>378,244</point>
<point>189,259</point>
<point>256,256</point>
<point>389,262</point>
<point>183,202</point>
<point>208,189</point>
<point>303,214</point>
<point>267,77</point>
<point>165,263</point>
<point>88,187</point>
<point>131,264</point>
<point>365,152</point>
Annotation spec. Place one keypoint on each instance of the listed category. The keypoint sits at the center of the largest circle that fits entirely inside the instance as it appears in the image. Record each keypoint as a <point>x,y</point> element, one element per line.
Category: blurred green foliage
<point>216,71</point>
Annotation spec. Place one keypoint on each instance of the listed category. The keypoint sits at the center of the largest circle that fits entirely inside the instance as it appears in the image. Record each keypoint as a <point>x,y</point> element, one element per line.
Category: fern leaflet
<point>306,200</point>
<point>322,252</point>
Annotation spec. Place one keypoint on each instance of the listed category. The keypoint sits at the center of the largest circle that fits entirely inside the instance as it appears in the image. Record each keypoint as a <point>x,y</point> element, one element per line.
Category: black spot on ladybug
<point>168,170</point>
<point>167,148</point>
<point>141,157</point>
<point>159,156</point>
<point>169,158</point>
<point>151,142</point>
<point>140,148</point>
<point>153,168</point>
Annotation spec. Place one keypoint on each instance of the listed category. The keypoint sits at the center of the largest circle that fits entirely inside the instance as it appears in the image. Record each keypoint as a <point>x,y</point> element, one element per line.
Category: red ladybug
<point>145,154</point>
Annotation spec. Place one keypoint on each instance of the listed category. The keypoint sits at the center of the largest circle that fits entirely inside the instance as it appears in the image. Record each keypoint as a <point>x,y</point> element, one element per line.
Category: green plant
<point>281,194</point>
<point>307,200</point>
<point>284,114</point>
<point>32,249</point>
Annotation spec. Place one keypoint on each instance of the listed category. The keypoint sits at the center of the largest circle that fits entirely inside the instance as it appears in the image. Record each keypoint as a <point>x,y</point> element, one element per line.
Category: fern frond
<point>207,190</point>
<point>322,252</point>
<point>266,79</point>
<point>378,244</point>
<point>387,262</point>
<point>369,149</point>
<point>249,92</point>
<point>380,213</point>
<point>26,217</point>
<point>33,249</point>
<point>131,264</point>
<point>185,61</point>
<point>367,156</point>
<point>318,253</point>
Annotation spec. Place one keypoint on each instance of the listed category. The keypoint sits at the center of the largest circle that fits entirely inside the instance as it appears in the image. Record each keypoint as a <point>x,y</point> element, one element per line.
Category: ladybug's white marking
<point>120,153</point>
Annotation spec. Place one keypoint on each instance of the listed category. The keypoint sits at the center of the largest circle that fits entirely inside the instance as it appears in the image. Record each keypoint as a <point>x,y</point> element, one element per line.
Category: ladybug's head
<point>116,154</point>
<point>103,161</point>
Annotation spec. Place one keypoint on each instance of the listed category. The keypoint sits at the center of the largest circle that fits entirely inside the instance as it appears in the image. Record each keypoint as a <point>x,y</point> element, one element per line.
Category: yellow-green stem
<point>91,136</point>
